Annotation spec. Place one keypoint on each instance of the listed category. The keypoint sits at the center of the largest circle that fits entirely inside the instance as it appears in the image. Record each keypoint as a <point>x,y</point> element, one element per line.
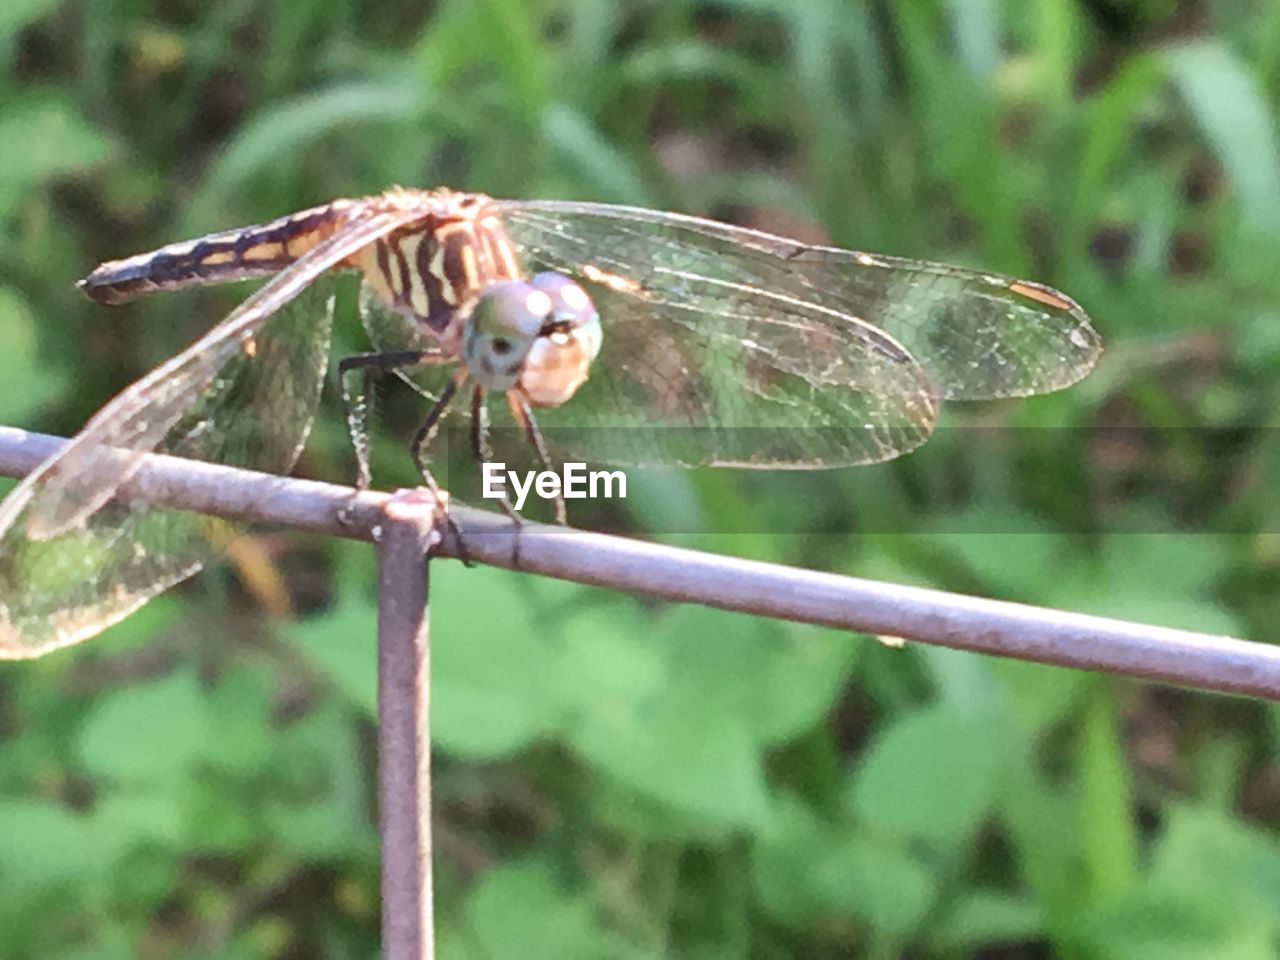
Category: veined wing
<point>74,557</point>
<point>783,354</point>
<point>711,355</point>
<point>979,335</point>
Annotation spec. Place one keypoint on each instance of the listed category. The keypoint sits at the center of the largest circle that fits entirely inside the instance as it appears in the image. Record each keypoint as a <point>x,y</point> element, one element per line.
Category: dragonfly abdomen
<point>240,254</point>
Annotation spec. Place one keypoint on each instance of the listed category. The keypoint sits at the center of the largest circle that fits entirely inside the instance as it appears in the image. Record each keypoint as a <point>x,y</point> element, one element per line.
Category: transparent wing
<point>714,353</point>
<point>733,329</point>
<point>75,557</point>
<point>255,413</point>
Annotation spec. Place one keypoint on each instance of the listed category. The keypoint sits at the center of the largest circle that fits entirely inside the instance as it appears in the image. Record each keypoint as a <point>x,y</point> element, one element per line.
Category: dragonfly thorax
<point>538,337</point>
<point>430,270</point>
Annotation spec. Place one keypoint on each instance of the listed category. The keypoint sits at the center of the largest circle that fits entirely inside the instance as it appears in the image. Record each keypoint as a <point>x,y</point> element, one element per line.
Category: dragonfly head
<point>506,320</point>
<point>539,336</point>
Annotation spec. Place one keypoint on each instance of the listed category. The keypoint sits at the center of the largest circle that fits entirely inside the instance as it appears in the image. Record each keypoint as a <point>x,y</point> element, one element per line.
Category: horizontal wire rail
<point>1038,634</point>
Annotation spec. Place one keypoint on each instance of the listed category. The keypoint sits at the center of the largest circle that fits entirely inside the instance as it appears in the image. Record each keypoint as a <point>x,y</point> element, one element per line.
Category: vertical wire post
<point>404,538</point>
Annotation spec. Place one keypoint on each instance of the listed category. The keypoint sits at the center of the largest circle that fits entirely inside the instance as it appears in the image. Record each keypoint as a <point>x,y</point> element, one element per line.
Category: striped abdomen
<point>232,255</point>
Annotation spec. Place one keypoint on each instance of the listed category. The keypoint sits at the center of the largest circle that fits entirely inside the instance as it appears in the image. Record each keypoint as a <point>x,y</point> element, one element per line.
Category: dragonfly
<point>646,337</point>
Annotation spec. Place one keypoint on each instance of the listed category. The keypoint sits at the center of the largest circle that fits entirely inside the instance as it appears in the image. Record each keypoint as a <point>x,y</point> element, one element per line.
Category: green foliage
<point>612,778</point>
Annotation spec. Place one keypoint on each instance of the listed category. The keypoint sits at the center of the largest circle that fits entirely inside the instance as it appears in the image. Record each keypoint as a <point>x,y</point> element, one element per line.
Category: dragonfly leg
<point>431,425</point>
<point>524,416</point>
<point>360,406</point>
<point>482,448</point>
<point>371,365</point>
<point>422,440</point>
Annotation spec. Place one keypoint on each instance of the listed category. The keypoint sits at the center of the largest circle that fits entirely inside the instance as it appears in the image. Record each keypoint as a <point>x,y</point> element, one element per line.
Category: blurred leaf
<point>55,139</point>
<point>443,52</point>
<point>807,871</point>
<point>143,816</point>
<point>509,34</point>
<point>1186,563</point>
<point>965,683</point>
<point>1142,603</point>
<point>1229,107</point>
<point>343,642</point>
<point>665,499</point>
<point>933,774</point>
<point>806,672</point>
<point>1112,117</point>
<point>1107,827</point>
<point>1220,767</point>
<point>958,118</point>
<point>976,24</point>
<point>1056,22</point>
<point>688,59</point>
<point>491,694</point>
<point>281,134</point>
<point>153,732</point>
<point>693,757</point>
<point>1158,923</point>
<point>519,910</point>
<point>321,810</point>
<point>739,682</point>
<point>46,844</point>
<point>1038,695</point>
<point>608,171</point>
<point>16,14</point>
<point>1159,579</point>
<point>1206,850</point>
<point>604,668</point>
<point>1011,564</point>
<point>33,384</point>
<point>777,679</point>
<point>982,918</point>
<point>1042,823</point>
<point>239,708</point>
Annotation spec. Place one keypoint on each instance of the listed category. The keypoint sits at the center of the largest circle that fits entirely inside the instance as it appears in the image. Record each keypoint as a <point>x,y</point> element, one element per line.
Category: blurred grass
<point>621,780</point>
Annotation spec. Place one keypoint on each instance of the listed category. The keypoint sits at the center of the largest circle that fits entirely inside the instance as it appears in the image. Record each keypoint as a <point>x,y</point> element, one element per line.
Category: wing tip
<point>1082,341</point>
<point>1045,294</point>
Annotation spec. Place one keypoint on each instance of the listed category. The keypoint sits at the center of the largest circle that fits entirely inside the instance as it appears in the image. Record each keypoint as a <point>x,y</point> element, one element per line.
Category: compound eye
<point>501,330</point>
<point>512,310</point>
<point>571,305</point>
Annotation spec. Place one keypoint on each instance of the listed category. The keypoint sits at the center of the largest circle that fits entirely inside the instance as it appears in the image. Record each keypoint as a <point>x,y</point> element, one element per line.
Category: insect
<point>646,337</point>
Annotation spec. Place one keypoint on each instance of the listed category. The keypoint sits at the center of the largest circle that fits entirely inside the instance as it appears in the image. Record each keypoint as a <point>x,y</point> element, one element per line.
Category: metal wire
<point>1024,632</point>
<point>406,535</point>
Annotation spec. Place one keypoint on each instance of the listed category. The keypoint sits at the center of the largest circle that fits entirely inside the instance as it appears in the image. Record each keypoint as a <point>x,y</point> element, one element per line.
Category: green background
<point>615,778</point>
